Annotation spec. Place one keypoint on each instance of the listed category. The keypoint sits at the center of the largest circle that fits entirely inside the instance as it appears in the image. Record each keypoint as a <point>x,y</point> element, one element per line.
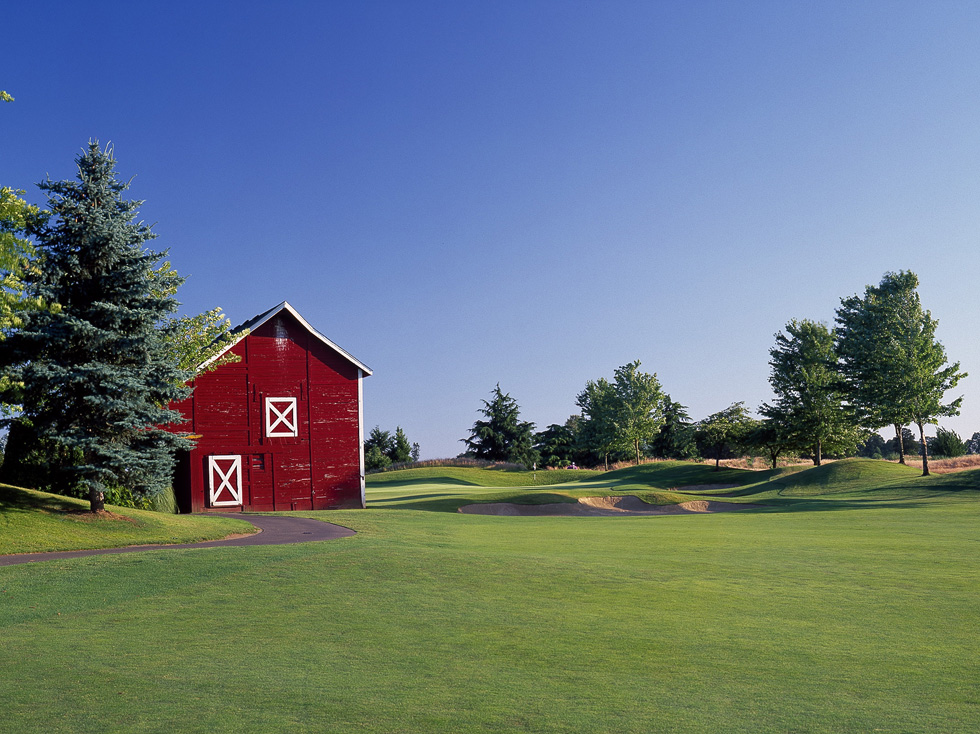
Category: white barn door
<point>225,480</point>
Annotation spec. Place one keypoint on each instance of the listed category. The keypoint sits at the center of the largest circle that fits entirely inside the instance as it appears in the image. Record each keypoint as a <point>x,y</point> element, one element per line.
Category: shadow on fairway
<point>450,503</point>
<point>449,481</point>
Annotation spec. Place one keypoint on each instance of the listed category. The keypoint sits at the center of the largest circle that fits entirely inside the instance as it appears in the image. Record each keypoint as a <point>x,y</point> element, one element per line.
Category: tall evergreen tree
<point>502,436</point>
<point>378,448</point>
<point>96,374</point>
<point>401,450</point>
<point>556,445</point>
<point>947,443</point>
<point>675,440</point>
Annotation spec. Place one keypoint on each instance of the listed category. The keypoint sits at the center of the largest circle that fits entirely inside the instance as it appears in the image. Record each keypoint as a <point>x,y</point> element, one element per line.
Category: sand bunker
<point>626,505</point>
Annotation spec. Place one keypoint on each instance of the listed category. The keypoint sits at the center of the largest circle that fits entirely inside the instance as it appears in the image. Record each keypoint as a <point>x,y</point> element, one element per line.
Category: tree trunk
<point>718,461</point>
<point>636,447</point>
<point>605,459</point>
<point>901,447</point>
<point>925,450</point>
<point>96,498</point>
<point>817,457</point>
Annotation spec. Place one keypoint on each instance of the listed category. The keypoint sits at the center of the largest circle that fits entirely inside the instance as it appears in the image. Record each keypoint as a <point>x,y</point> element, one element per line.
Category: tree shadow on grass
<point>13,499</point>
<point>442,503</point>
<point>422,480</point>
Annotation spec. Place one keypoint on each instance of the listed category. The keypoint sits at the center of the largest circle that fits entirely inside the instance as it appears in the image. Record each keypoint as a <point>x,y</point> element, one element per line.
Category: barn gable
<point>281,429</point>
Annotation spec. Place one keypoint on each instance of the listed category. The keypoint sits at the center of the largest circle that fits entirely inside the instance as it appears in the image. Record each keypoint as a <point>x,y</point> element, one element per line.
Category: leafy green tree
<point>5,97</point>
<point>866,358</point>
<point>638,406</point>
<point>375,459</point>
<point>194,343</point>
<point>873,447</point>
<point>599,433</point>
<point>809,396</point>
<point>895,369</point>
<point>772,437</point>
<point>16,218</point>
<point>724,434</point>
<point>502,436</point>
<point>95,372</point>
<point>947,443</point>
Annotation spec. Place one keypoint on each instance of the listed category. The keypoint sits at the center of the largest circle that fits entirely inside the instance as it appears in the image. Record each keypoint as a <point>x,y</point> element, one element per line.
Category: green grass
<point>446,489</point>
<point>480,477</point>
<point>33,521</point>
<point>851,610</point>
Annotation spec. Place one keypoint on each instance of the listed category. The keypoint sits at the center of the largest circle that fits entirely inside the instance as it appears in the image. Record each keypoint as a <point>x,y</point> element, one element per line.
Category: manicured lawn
<point>855,615</point>
<point>37,521</point>
<point>446,489</point>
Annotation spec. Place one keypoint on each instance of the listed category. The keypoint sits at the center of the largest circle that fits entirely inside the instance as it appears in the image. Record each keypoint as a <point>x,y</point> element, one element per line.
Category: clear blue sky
<point>529,193</point>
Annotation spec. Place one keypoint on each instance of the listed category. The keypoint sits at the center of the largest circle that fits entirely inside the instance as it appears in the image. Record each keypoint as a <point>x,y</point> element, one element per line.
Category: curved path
<point>273,530</point>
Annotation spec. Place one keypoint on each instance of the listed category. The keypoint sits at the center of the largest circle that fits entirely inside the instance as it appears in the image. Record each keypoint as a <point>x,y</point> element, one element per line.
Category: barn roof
<point>240,331</point>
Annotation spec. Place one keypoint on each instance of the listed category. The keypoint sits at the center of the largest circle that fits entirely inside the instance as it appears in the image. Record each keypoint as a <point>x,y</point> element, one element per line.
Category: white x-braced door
<point>225,480</point>
<point>281,418</point>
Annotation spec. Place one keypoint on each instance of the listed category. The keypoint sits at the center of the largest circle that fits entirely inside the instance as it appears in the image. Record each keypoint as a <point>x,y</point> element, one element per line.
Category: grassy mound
<point>446,489</point>
<point>32,522</point>
<point>845,476</point>
<point>478,477</point>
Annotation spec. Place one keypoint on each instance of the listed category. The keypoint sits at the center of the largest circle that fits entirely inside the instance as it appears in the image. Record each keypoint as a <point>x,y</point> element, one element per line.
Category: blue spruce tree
<point>94,368</point>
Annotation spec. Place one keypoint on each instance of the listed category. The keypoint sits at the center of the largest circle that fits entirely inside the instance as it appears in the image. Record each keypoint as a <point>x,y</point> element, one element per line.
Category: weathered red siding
<point>319,468</point>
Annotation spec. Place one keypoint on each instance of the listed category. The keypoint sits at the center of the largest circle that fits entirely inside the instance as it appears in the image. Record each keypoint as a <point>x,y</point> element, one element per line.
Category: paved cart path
<point>273,530</point>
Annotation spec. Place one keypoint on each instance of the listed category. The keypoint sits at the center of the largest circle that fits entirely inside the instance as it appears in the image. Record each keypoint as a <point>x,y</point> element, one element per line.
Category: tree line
<point>879,366</point>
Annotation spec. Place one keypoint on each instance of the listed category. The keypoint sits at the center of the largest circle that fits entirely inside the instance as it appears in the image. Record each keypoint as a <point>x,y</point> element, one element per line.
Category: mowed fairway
<point>850,603</point>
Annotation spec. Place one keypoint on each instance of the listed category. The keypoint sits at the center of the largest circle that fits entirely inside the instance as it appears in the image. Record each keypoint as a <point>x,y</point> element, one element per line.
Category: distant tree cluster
<point>627,418</point>
<point>880,365</point>
<point>382,449</point>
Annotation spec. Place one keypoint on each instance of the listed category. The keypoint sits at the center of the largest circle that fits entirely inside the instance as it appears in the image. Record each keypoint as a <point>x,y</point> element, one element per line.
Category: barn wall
<point>320,467</point>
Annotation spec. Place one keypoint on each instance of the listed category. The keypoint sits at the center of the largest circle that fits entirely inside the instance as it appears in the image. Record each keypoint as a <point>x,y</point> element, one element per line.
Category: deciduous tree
<point>895,368</point>
<point>772,437</point>
<point>598,432</point>
<point>16,219</point>
<point>723,434</point>
<point>638,406</point>
<point>809,398</point>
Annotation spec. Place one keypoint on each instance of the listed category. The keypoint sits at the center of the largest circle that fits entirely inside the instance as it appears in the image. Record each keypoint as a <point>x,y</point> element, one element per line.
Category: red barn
<point>279,430</point>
